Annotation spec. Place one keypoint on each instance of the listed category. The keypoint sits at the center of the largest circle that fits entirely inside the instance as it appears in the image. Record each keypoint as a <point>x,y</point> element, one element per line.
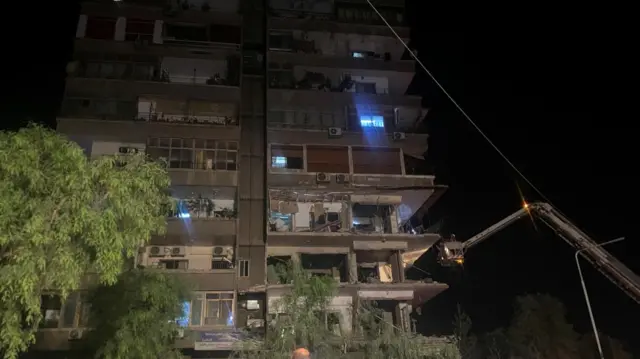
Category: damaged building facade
<point>289,136</point>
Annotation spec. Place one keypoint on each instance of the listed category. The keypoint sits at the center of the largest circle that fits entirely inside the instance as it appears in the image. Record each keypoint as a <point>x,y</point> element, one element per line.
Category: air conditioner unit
<point>156,251</point>
<point>335,132</point>
<point>322,177</point>
<point>177,251</point>
<point>221,252</point>
<point>76,334</point>
<point>342,178</point>
<point>399,136</point>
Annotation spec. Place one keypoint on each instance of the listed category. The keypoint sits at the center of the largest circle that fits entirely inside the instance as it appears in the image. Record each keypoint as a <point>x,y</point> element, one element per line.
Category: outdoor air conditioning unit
<point>223,252</point>
<point>342,178</point>
<point>76,334</point>
<point>322,177</point>
<point>156,251</point>
<point>335,132</point>
<point>399,136</point>
<point>177,251</point>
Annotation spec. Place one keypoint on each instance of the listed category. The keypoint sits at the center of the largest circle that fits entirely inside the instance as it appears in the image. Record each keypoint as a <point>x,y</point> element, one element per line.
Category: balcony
<point>181,77</point>
<point>364,220</point>
<point>197,162</point>
<point>200,212</point>
<point>206,267</point>
<point>218,12</point>
<point>347,51</point>
<point>346,17</point>
<point>293,87</point>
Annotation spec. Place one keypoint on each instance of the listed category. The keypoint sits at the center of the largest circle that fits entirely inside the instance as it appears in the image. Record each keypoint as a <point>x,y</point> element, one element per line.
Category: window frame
<point>204,302</point>
<point>81,311</point>
<point>242,271</point>
<point>196,147</point>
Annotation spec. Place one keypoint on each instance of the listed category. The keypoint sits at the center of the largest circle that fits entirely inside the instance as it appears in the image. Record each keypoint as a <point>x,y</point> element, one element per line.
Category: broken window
<point>372,218</point>
<point>328,159</point>
<point>277,269</point>
<point>374,266</point>
<point>326,265</point>
<point>287,157</point>
<point>372,160</point>
<point>100,28</point>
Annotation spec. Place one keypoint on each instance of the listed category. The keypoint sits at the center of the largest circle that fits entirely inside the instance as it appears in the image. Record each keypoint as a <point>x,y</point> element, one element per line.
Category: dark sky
<point>547,87</point>
<point>549,91</point>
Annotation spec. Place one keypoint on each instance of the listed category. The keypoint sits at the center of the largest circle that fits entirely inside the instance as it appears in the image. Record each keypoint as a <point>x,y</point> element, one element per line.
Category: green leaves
<point>136,317</point>
<point>62,216</point>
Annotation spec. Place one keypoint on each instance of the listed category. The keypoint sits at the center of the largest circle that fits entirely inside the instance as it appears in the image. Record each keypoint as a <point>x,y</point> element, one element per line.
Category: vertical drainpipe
<point>265,167</point>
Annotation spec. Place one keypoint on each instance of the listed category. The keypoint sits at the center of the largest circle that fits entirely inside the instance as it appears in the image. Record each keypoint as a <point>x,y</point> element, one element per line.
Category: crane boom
<point>602,260</point>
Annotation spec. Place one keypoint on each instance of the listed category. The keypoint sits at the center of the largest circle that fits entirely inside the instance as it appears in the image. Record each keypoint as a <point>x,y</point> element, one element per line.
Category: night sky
<point>547,89</point>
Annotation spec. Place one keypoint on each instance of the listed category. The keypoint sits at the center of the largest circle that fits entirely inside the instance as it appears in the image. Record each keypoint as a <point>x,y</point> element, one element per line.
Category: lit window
<point>278,162</point>
<point>372,121</point>
<point>358,55</point>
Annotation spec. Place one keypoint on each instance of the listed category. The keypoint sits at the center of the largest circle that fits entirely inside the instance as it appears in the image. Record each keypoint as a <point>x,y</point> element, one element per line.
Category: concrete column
<point>157,32</point>
<point>121,27</point>
<point>393,218</point>
<point>396,267</point>
<point>353,267</point>
<point>81,30</point>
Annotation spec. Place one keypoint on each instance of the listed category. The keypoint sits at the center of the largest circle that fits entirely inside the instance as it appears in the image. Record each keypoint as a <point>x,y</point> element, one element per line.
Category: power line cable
<point>462,111</point>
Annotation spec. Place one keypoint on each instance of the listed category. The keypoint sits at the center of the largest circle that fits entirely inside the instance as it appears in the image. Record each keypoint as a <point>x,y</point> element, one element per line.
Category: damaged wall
<point>342,305</point>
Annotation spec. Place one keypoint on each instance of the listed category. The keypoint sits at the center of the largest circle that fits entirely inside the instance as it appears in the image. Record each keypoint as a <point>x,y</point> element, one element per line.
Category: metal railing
<point>189,119</point>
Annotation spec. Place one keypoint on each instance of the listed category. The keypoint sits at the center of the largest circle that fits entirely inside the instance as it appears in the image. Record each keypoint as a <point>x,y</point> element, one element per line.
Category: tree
<point>303,323</point>
<point>63,216</point>
<point>611,348</point>
<point>539,329</point>
<point>136,317</point>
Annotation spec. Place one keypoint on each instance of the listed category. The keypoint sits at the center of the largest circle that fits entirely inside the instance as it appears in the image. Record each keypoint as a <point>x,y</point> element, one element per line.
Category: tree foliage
<point>539,328</point>
<point>62,216</point>
<point>303,325</point>
<point>136,317</point>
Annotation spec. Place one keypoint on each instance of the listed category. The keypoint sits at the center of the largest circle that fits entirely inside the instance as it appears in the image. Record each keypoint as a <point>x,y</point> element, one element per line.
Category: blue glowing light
<point>372,121</point>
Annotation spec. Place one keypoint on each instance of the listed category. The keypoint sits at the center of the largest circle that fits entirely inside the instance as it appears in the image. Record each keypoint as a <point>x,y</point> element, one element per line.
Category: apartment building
<point>289,135</point>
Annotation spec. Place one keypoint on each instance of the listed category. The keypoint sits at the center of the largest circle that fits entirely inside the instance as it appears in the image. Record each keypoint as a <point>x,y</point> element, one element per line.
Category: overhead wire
<point>462,111</point>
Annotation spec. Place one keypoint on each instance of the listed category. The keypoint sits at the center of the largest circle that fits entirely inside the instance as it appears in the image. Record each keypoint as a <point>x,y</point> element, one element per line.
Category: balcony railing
<point>146,72</point>
<point>190,119</point>
<point>200,208</point>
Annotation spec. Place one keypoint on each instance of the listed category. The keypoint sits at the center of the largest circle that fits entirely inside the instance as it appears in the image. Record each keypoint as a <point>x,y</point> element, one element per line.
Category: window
<point>212,309</point>
<point>221,263</point>
<point>174,264</point>
<point>139,30</point>
<point>101,28</point>
<point>287,157</point>
<point>372,121</point>
<point>278,162</point>
<point>376,160</point>
<point>51,310</point>
<point>243,266</point>
<point>328,159</point>
<point>195,153</point>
